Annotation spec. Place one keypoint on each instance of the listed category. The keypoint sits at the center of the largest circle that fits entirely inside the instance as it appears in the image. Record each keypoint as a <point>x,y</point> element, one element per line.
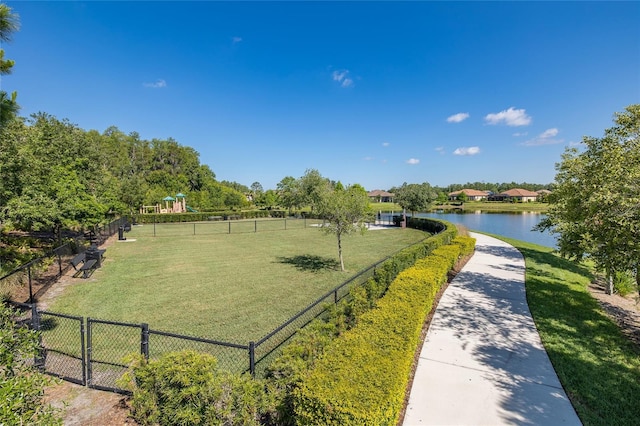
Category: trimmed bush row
<point>287,371</point>
<point>362,375</point>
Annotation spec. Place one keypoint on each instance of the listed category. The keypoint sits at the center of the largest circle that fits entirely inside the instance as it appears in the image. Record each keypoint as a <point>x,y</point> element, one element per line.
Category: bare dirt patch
<point>624,311</point>
<point>88,407</point>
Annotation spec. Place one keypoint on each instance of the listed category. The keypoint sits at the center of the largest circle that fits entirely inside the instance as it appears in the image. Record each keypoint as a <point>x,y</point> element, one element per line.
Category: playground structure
<point>171,205</point>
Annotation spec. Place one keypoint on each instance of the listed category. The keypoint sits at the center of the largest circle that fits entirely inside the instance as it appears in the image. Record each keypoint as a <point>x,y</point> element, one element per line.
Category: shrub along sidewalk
<point>362,375</point>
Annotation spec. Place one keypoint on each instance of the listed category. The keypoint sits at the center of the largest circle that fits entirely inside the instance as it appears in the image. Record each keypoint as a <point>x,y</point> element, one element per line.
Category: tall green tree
<point>595,207</point>
<point>345,210</point>
<point>9,23</point>
<point>289,193</point>
<point>313,187</point>
<point>415,197</point>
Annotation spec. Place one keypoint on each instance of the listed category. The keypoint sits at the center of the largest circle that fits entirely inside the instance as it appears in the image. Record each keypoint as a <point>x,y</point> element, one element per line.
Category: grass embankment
<point>598,367</point>
<point>234,287</point>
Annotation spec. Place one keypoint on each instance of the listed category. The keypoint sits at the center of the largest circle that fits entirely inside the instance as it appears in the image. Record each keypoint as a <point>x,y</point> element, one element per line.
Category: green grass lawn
<point>231,287</point>
<point>598,367</point>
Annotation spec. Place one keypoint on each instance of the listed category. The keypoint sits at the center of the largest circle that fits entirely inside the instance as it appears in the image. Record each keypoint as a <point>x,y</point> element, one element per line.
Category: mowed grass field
<point>233,287</point>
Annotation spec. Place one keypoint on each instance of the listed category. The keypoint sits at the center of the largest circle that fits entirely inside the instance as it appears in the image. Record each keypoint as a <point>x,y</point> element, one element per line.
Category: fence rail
<point>226,226</point>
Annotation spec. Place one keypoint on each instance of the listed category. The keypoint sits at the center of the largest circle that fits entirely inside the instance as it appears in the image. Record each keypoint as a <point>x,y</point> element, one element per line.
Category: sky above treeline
<point>374,93</point>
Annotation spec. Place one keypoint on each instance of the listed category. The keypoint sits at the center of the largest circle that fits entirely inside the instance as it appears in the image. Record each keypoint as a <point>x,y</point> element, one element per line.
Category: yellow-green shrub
<point>187,388</point>
<point>467,244</point>
<point>363,374</point>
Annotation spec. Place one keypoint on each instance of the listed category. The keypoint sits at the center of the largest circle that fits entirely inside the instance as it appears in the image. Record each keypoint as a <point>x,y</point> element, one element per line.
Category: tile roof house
<point>516,194</point>
<point>380,196</point>
<point>472,194</point>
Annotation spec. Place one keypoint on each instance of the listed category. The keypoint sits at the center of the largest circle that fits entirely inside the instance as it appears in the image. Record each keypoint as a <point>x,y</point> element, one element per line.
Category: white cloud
<point>368,158</point>
<point>458,118</point>
<point>342,77</point>
<point>545,138</point>
<point>511,117</point>
<point>440,149</point>
<point>549,133</point>
<point>158,84</point>
<point>385,144</point>
<point>236,39</point>
<point>413,161</point>
<point>471,150</point>
<point>518,134</point>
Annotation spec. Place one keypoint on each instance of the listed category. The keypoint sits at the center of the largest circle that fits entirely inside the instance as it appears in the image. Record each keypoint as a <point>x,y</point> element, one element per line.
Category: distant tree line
<point>58,176</point>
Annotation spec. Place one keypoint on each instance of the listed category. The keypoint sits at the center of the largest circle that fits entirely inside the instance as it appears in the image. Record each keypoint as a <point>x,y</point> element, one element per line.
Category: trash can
<point>121,236</point>
<point>93,253</point>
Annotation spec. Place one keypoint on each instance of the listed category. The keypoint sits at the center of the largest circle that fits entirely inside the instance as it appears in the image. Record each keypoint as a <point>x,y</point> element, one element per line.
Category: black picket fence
<point>40,274</point>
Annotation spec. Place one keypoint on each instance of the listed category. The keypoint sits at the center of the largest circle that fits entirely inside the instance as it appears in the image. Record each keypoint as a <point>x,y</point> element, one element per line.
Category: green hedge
<point>187,388</point>
<point>362,376</point>
<point>287,371</point>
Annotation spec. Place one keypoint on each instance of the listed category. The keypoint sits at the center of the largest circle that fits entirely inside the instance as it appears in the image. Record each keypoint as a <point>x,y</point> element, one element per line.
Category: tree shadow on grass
<point>311,263</point>
<point>556,261</point>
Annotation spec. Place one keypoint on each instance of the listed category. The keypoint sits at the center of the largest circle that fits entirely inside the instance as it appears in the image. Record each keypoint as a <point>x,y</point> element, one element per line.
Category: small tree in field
<point>345,210</point>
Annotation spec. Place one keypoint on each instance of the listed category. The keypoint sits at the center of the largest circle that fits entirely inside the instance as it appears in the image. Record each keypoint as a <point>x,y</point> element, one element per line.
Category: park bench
<point>77,260</point>
<point>87,267</point>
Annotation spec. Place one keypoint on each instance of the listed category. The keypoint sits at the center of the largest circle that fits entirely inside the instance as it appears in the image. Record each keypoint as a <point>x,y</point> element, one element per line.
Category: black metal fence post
<point>252,358</point>
<point>38,357</point>
<point>59,264</point>
<point>144,340</point>
<point>30,288</point>
<point>285,223</point>
<point>255,226</point>
<point>194,228</point>
<point>83,353</point>
<point>229,225</point>
<point>89,354</point>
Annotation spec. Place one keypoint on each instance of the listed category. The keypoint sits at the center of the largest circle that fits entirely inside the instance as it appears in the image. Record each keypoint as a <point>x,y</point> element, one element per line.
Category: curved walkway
<point>482,362</point>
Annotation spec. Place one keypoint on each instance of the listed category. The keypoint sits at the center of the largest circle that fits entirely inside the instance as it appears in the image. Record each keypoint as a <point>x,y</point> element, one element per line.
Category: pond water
<point>516,225</point>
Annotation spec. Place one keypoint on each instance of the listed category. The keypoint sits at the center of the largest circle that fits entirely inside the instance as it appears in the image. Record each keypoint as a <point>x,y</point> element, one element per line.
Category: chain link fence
<point>97,356</point>
<point>28,282</point>
<point>62,339</point>
<point>222,226</point>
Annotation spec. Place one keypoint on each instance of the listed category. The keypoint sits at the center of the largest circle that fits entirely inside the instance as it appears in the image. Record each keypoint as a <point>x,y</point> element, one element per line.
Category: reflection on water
<point>516,225</point>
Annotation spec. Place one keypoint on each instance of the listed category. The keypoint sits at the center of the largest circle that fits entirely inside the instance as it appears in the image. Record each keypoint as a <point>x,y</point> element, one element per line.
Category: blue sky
<point>374,93</point>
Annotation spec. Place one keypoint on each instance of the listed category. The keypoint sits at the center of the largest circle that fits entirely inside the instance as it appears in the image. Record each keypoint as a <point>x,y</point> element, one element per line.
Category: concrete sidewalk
<point>482,362</point>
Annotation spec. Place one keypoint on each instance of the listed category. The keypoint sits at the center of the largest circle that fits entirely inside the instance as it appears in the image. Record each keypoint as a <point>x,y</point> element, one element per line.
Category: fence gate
<point>108,345</point>
<point>63,342</point>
